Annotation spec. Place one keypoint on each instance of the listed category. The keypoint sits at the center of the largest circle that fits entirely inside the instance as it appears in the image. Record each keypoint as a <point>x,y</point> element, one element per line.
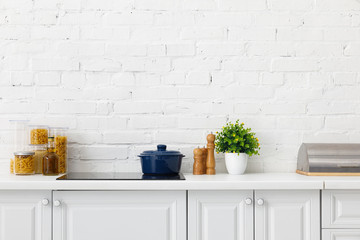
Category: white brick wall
<point>125,75</point>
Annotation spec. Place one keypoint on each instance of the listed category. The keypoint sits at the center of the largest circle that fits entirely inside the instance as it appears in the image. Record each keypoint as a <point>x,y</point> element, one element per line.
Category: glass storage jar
<point>18,139</point>
<point>24,163</point>
<point>61,149</point>
<point>40,150</point>
<point>39,134</point>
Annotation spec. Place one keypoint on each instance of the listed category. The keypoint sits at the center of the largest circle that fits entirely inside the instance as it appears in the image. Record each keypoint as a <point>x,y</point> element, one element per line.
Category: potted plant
<point>238,143</point>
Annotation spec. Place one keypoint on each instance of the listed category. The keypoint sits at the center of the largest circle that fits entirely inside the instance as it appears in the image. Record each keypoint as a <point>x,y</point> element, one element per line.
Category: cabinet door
<point>341,209</point>
<point>341,234</point>
<point>284,215</point>
<point>114,215</point>
<point>24,216</point>
<point>217,215</point>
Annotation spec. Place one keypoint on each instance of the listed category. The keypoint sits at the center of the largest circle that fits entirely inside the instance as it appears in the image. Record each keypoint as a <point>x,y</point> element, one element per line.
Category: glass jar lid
<point>24,153</point>
<point>20,120</point>
<point>60,128</point>
<point>38,126</point>
<point>38,146</point>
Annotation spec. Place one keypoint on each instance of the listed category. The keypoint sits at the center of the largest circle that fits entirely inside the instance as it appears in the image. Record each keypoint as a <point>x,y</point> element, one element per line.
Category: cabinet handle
<point>45,201</point>
<point>248,201</point>
<point>57,203</point>
<point>260,201</point>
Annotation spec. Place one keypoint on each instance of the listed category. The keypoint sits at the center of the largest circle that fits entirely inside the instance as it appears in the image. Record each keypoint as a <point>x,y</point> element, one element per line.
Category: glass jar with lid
<point>24,163</point>
<point>40,150</point>
<point>60,140</point>
<point>18,139</point>
<point>39,134</point>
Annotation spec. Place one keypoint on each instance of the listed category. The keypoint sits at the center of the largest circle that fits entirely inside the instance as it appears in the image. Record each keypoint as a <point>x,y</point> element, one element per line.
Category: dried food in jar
<point>24,163</point>
<point>11,165</point>
<point>38,158</point>
<point>61,151</point>
<point>40,151</point>
<point>39,136</point>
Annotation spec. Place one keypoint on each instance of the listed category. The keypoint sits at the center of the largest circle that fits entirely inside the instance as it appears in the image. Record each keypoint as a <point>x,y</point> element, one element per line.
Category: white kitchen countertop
<point>192,182</point>
<point>199,182</point>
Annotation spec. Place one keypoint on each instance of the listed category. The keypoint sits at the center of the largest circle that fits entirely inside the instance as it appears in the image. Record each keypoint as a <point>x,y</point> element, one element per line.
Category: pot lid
<point>161,150</point>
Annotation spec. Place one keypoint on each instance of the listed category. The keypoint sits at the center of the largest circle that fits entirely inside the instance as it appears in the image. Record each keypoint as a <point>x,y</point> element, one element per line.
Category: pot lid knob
<point>161,147</point>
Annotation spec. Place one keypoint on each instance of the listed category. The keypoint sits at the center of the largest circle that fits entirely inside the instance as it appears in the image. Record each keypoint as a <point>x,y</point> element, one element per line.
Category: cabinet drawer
<point>341,209</point>
<point>340,234</point>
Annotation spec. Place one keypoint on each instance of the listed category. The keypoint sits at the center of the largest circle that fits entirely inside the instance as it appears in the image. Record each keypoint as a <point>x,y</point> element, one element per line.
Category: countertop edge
<point>253,181</point>
<point>258,181</point>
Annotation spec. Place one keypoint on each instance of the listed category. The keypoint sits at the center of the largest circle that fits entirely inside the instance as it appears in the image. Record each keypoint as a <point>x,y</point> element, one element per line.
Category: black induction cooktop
<point>118,176</point>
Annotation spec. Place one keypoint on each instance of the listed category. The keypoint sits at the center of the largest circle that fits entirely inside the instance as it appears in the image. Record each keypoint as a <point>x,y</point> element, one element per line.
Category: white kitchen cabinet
<point>25,215</point>
<point>341,209</point>
<point>220,215</point>
<point>114,215</point>
<point>287,214</point>
<point>341,234</point>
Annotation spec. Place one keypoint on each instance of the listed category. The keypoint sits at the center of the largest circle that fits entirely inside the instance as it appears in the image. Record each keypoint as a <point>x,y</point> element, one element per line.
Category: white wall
<point>125,75</point>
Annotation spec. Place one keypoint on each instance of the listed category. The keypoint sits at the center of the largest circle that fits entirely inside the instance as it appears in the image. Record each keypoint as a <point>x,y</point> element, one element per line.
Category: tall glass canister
<point>19,139</point>
<point>61,149</point>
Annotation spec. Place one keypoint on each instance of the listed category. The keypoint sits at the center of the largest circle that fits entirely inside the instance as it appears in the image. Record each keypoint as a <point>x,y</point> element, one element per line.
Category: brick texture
<point>126,75</point>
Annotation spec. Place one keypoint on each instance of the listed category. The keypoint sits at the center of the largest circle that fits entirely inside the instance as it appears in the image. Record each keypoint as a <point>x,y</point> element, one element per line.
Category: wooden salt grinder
<point>204,156</point>
<point>210,161</point>
<point>198,168</point>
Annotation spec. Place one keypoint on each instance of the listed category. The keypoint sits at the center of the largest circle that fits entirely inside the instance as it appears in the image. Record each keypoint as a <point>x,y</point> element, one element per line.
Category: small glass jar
<point>39,134</point>
<point>61,149</point>
<point>40,150</point>
<point>24,163</point>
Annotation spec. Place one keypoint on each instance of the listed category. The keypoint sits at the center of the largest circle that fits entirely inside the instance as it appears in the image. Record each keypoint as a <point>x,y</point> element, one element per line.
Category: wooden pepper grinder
<point>210,161</point>
<point>198,168</point>
<point>204,157</point>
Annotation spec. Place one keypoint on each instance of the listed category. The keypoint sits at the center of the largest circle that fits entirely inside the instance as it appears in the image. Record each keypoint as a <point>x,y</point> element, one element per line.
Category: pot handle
<point>161,147</point>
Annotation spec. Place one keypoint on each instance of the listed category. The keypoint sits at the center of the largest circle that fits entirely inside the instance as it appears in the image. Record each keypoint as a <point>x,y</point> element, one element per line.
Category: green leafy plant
<point>235,138</point>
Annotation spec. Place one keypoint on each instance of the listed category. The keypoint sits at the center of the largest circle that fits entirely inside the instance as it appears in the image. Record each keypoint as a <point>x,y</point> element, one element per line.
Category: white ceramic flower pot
<point>236,163</point>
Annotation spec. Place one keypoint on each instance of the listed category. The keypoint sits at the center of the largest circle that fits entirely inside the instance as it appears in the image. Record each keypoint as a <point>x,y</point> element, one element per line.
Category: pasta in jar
<point>38,134</point>
<point>61,151</point>
<point>11,165</point>
<point>24,163</point>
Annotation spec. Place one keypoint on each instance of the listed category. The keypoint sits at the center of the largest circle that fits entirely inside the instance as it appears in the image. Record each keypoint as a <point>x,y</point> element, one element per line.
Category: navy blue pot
<point>161,161</point>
